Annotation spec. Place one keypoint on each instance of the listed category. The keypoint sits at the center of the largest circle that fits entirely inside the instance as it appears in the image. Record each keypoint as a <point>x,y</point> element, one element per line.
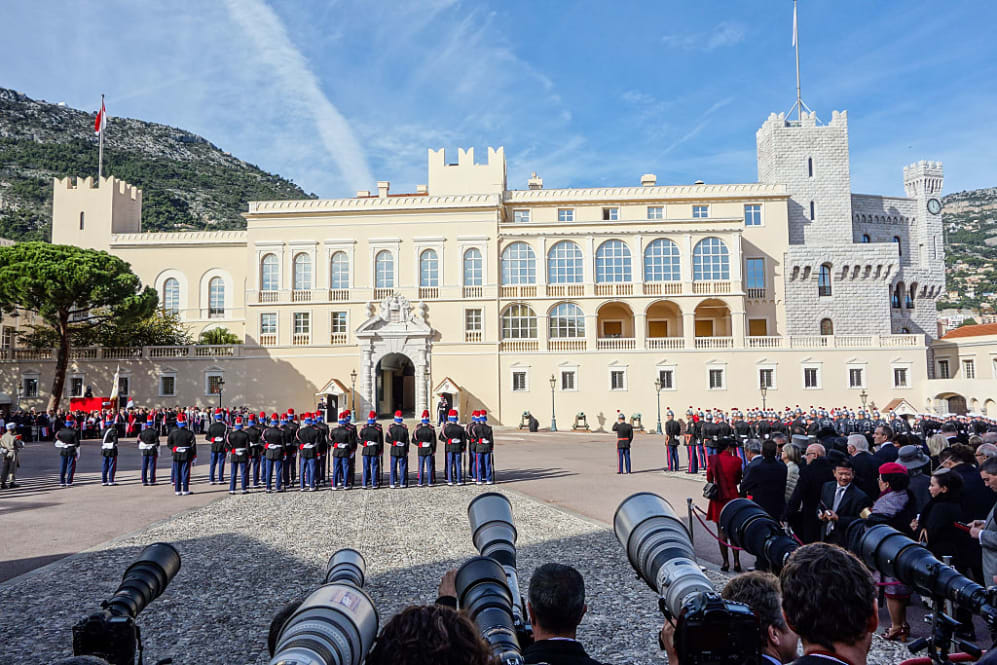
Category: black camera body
<point>112,638</point>
<point>711,630</point>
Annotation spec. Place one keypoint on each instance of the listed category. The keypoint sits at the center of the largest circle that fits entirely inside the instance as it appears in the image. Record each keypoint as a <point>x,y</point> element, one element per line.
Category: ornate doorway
<point>395,374</point>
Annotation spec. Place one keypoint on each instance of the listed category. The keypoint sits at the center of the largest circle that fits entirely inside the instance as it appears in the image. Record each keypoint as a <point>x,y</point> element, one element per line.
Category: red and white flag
<point>101,122</point>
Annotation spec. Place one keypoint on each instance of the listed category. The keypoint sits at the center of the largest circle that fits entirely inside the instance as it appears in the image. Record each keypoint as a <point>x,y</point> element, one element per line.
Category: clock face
<point>934,206</point>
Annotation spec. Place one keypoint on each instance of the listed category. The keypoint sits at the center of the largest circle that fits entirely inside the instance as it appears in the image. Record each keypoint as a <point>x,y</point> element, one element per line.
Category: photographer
<point>829,600</point>
<point>760,592</point>
<point>429,635</point>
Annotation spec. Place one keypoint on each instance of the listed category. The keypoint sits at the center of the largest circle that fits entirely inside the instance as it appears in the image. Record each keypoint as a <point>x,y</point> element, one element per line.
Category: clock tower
<point>923,182</point>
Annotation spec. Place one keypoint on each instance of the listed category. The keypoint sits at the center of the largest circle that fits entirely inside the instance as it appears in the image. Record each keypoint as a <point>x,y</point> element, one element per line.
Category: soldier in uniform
<point>898,424</point>
<point>343,440</point>
<point>371,440</point>
<point>672,433</point>
<point>709,436</point>
<point>237,442</point>
<point>10,448</point>
<point>484,450</point>
<point>308,441</point>
<point>398,440</point>
<point>290,429</point>
<point>321,450</point>
<point>455,438</point>
<point>692,430</point>
<point>424,438</point>
<point>255,435</point>
<point>273,450</point>
<point>148,445</point>
<point>624,437</point>
<point>472,447</point>
<point>216,435</point>
<point>67,440</point>
<point>108,452</point>
<point>352,459</point>
<point>183,443</point>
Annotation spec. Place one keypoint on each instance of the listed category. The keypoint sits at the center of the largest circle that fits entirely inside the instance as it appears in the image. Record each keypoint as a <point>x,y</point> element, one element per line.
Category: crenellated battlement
<point>121,187</point>
<point>85,214</point>
<point>466,177</point>
<point>923,178</point>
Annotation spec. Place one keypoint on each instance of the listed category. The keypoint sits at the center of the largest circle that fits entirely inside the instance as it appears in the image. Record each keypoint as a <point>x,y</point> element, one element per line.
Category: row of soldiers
<point>279,451</point>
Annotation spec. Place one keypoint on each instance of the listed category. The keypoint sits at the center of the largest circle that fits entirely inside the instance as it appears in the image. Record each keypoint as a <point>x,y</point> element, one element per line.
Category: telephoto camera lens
<point>895,555</point>
<point>145,579</point>
<point>482,592</point>
<point>494,535</point>
<point>659,549</point>
<point>748,526</point>
<point>347,566</point>
<point>336,624</point>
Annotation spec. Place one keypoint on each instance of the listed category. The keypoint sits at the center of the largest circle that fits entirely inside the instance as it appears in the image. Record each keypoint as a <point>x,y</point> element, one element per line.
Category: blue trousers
<point>238,468</point>
<point>219,460</point>
<point>181,476</point>
<point>108,466</point>
<point>149,468</point>
<point>673,457</point>
<point>483,467</point>
<point>623,459</point>
<point>67,469</point>
<point>424,475</point>
<point>290,469</point>
<point>255,463</point>
<point>306,473</point>
<point>340,471</point>
<point>455,470</point>
<point>399,471</point>
<point>273,467</point>
<point>371,471</point>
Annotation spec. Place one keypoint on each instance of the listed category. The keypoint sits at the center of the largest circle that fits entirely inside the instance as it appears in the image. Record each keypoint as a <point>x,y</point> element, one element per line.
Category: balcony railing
<point>526,291</point>
<point>84,354</point>
<point>901,340</point>
<point>760,342</point>
<point>339,295</point>
<point>662,288</point>
<point>95,353</point>
<point>215,351</point>
<point>853,341</point>
<point>616,344</point>
<point>714,342</point>
<point>301,339</point>
<point>757,294</point>
<point>472,336</point>
<point>268,339</point>
<point>566,344</point>
<point>121,353</point>
<point>381,294</point>
<point>614,289</point>
<point>664,343</point>
<point>519,345</point>
<point>337,339</point>
<point>565,290</point>
<point>472,292</point>
<point>810,341</point>
<point>429,292</point>
<point>301,295</point>
<point>168,351</point>
<point>700,288</point>
<point>268,296</point>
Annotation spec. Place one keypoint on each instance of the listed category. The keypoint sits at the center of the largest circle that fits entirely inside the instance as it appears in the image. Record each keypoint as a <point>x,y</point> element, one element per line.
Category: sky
<point>337,94</point>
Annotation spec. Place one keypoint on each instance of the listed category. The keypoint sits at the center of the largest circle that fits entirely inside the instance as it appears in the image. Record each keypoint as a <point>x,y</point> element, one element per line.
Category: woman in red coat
<point>724,470</point>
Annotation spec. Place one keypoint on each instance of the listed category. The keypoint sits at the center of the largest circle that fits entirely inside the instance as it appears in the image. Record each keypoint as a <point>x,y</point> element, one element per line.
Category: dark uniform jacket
<point>71,440</point>
<point>323,439</point>
<point>238,445</point>
<point>149,437</point>
<point>557,652</point>
<point>801,510</point>
<point>672,432</point>
<point>216,436</point>
<point>743,430</point>
<point>764,483</point>
<point>455,438</point>
<point>485,442</point>
<point>624,435</point>
<point>308,439</point>
<point>424,438</point>
<point>343,440</point>
<point>183,443</point>
<point>290,437</point>
<point>398,439</point>
<point>372,440</point>
<point>109,436</point>
<point>255,435</point>
<point>273,443</point>
<point>866,472</point>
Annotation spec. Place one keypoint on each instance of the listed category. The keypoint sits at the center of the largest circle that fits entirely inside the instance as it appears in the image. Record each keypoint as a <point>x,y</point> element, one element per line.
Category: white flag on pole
<point>794,24</point>
<point>114,387</point>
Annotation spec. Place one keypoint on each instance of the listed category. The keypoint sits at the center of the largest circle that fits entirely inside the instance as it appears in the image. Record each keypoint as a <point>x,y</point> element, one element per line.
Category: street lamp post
<point>353,393</point>
<point>764,390</point>
<point>20,390</point>
<point>657,388</point>
<point>863,396</point>
<point>553,419</point>
<point>429,387</point>
<point>221,387</point>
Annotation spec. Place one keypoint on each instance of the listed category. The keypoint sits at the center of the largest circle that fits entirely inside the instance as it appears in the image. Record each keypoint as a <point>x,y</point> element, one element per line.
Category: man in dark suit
<point>882,438</point>
<point>864,464</point>
<point>765,479</point>
<point>801,511</point>
<point>842,502</point>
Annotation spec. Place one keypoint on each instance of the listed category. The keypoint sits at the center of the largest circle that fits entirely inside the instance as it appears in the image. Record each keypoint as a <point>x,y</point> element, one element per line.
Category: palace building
<point>541,299</point>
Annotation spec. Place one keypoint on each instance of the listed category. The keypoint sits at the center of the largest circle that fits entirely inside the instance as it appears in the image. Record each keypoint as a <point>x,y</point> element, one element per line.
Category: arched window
<point>826,327</point>
<point>429,268</point>
<point>302,272</point>
<point>565,264</point>
<point>519,264</point>
<point>472,267</point>
<point>519,322</point>
<point>866,238</point>
<point>216,298</point>
<point>900,247</point>
<point>911,294</point>
<point>339,271</point>
<point>810,166</point>
<point>612,262</point>
<point>661,261</point>
<point>384,270</point>
<point>897,295</point>
<point>710,260</point>
<point>171,296</point>
<point>824,280</point>
<point>269,273</point>
<point>566,320</point>
<point>81,220</point>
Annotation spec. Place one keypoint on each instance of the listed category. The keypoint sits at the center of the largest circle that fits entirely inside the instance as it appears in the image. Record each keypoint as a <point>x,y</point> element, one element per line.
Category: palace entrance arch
<point>395,385</point>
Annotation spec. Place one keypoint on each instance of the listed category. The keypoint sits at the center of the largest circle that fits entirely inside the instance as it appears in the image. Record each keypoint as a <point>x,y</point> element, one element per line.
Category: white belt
<point>485,441</point>
<point>425,444</point>
<point>238,451</point>
<point>367,444</point>
<point>60,444</point>
<point>218,439</point>
<point>342,445</point>
<point>182,449</point>
<point>308,445</point>
<point>454,440</point>
<point>274,445</point>
<point>107,446</point>
<point>146,446</point>
<point>398,443</point>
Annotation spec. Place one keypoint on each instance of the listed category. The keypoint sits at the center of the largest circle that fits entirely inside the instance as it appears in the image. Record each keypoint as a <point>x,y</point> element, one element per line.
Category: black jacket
<point>937,523</point>
<point>398,439</point>
<point>764,483</point>
<point>308,438</point>
<point>237,443</point>
<point>866,467</point>
<point>455,438</point>
<point>801,511</point>
<point>149,437</point>
<point>424,439</point>
<point>486,438</point>
<point>183,443</point>
<point>372,440</point>
<point>557,652</point>
<point>273,443</point>
<point>852,503</point>
<point>888,452</point>
<point>624,435</point>
<point>977,498</point>
<point>216,435</point>
<point>343,441</point>
<point>109,436</point>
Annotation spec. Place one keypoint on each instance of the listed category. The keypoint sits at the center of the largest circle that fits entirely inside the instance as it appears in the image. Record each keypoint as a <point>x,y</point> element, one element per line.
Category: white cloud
<point>723,34</point>
<point>301,90</point>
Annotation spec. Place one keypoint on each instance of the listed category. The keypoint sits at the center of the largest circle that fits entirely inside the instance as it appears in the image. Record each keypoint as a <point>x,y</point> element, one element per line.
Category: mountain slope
<point>970,221</point>
<point>187,182</point>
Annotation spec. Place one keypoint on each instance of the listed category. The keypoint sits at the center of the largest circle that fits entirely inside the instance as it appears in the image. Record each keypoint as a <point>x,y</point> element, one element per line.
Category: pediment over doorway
<point>447,385</point>
<point>395,316</point>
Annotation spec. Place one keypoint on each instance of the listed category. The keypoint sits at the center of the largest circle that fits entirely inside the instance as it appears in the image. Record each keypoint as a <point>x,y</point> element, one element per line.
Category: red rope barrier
<point>714,536</point>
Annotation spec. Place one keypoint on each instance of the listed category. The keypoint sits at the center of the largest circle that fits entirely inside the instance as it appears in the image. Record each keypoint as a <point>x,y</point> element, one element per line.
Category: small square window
<point>520,216</point>
<point>568,379</point>
<point>472,320</point>
<point>519,382</point>
<point>338,322</point>
<point>655,212</point>
<point>610,214</point>
<point>7,338</point>
<point>716,379</point>
<point>753,214</point>
<point>811,377</point>
<point>617,379</point>
<point>268,323</point>
<point>855,378</point>
<point>943,369</point>
<point>700,212</point>
<point>123,386</point>
<point>215,383</point>
<point>900,377</point>
<point>565,214</point>
<point>766,378</point>
<point>667,379</point>
<point>30,387</point>
<point>167,386</point>
<point>76,386</point>
<point>968,369</point>
<point>302,323</point>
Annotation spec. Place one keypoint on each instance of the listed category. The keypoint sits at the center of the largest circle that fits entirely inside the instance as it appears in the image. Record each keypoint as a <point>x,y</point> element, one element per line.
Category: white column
<point>365,375</point>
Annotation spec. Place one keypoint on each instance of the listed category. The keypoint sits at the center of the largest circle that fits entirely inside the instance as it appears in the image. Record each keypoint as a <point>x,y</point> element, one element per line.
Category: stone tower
<point>86,216</point>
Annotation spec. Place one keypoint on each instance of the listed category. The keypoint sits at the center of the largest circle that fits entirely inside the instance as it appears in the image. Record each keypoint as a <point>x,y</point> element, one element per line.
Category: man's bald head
<point>816,450</point>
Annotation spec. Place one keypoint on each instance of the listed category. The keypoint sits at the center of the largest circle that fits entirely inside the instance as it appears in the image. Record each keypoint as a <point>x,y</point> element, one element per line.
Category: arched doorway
<point>713,319</point>
<point>615,320</point>
<point>664,319</point>
<point>951,403</point>
<point>395,374</point>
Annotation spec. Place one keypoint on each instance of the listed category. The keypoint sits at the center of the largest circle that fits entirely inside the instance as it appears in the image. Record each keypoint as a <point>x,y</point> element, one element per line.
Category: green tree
<point>218,336</point>
<point>968,322</point>
<point>71,289</point>
<point>159,329</point>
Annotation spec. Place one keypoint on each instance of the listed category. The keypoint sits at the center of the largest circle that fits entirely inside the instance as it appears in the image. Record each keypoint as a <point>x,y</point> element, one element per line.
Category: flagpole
<point>103,123</point>
<point>796,43</point>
